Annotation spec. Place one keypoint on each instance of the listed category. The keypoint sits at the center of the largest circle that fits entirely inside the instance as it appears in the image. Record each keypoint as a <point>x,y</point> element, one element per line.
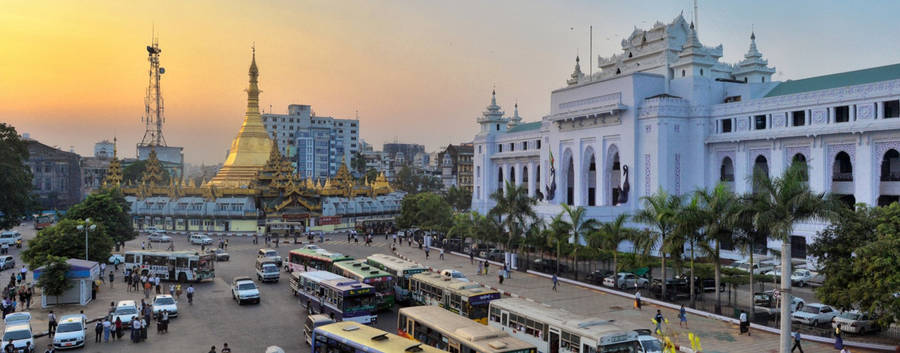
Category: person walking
<point>797,339</point>
<point>119,330</point>
<point>744,323</point>
<point>212,349</point>
<point>51,323</point>
<point>426,253</point>
<point>225,348</point>
<point>480,268</point>
<point>135,330</point>
<point>659,320</point>
<point>637,300</point>
<point>143,245</point>
<point>442,254</point>
<point>156,281</point>
<point>112,329</point>
<point>98,331</point>
<point>486,265</point>
<point>190,294</point>
<point>555,282</point>
<point>106,325</point>
<point>838,340</point>
<point>500,276</point>
<point>172,290</point>
<point>147,287</point>
<point>682,316</point>
<point>472,256</point>
<point>112,277</point>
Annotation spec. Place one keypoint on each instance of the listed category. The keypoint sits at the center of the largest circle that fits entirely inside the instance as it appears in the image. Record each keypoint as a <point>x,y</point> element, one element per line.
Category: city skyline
<point>76,74</point>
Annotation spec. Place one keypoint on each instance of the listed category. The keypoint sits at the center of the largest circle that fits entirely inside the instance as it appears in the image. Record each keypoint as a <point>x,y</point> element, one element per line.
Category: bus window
<point>129,258</point>
<point>181,262</point>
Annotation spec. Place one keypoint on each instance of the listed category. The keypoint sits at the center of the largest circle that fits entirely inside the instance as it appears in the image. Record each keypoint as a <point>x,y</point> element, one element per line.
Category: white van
<point>201,239</point>
<point>267,270</point>
<point>11,238</point>
<point>18,330</point>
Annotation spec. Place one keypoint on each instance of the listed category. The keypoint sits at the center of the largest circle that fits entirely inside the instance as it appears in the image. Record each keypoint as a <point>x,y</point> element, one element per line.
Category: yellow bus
<point>353,337</point>
<point>555,330</point>
<point>442,329</point>
<point>464,298</point>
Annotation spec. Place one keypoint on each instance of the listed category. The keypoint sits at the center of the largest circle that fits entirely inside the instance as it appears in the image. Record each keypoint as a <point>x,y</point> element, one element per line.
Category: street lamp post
<point>86,227</point>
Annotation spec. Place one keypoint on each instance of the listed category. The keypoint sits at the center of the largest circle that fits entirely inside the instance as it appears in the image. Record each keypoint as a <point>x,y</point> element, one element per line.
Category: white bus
<point>172,265</point>
<point>401,269</point>
<point>558,331</point>
<point>442,329</point>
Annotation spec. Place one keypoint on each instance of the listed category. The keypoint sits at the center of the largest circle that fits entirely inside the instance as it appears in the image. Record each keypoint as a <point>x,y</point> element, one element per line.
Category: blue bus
<point>340,298</point>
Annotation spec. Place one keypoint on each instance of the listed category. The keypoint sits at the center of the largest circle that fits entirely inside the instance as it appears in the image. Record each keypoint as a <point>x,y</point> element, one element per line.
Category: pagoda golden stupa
<point>250,148</point>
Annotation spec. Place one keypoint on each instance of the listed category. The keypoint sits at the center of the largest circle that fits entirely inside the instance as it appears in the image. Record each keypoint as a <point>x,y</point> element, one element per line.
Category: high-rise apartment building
<point>317,144</point>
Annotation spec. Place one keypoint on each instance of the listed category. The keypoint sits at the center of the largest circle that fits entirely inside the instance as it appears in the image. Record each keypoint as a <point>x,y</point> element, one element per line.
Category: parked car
<point>625,280</point>
<point>758,268</point>
<point>18,331</point>
<point>814,314</point>
<point>244,289</point>
<point>816,279</point>
<point>152,230</point>
<point>766,301</point>
<point>676,288</point>
<point>159,238</point>
<point>201,239</point>
<point>70,332</point>
<point>649,344</point>
<point>116,259</point>
<point>125,310</point>
<point>548,266</point>
<point>800,276</point>
<point>451,273</point>
<point>7,261</point>
<point>270,254</point>
<point>597,277</point>
<point>11,238</point>
<point>855,321</point>
<point>165,302</point>
<point>221,255</point>
<point>492,254</point>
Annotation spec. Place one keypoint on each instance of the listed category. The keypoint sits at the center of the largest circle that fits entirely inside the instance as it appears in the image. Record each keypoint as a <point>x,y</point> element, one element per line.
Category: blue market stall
<point>82,275</point>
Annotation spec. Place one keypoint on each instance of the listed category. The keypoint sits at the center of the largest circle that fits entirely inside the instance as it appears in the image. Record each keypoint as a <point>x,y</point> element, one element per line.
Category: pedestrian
<point>143,246</point>
<point>50,349</point>
<point>178,290</point>
<point>106,325</point>
<point>190,294</point>
<point>212,350</point>
<point>555,282</point>
<point>29,292</point>
<point>51,323</point>
<point>112,277</point>
<point>659,320</point>
<point>486,265</point>
<point>156,280</point>
<point>500,276</point>
<point>119,330</point>
<point>744,323</point>
<point>98,331</point>
<point>135,330</point>
<point>797,339</point>
<point>426,253</point>
<point>225,348</point>
<point>472,256</point>
<point>682,316</point>
<point>102,269</point>
<point>838,340</point>
<point>637,300</point>
<point>480,268</point>
<point>172,290</point>
<point>226,244</point>
<point>24,272</point>
<point>147,287</point>
<point>28,347</point>
<point>112,329</point>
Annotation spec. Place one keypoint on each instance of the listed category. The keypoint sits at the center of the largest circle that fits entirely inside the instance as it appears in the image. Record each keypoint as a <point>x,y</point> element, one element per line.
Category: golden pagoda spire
<point>113,176</point>
<point>252,146</point>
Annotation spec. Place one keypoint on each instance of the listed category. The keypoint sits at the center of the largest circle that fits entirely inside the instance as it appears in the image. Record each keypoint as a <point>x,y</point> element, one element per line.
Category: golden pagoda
<point>251,147</point>
<point>113,178</point>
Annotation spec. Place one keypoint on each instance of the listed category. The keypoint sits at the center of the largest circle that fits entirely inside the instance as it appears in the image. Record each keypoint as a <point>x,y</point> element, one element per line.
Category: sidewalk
<point>715,335</point>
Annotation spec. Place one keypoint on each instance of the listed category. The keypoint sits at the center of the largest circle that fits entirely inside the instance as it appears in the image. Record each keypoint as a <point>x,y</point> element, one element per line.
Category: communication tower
<point>154,115</point>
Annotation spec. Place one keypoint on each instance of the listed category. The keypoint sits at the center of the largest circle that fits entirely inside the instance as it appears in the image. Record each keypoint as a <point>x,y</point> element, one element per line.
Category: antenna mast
<point>153,102</point>
<point>696,17</point>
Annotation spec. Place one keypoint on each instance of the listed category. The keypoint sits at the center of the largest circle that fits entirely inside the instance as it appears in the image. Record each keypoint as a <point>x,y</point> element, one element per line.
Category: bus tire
<point>182,278</point>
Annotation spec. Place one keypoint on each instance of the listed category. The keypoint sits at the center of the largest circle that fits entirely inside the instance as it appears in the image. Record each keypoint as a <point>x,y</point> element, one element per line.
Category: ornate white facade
<point>666,114</point>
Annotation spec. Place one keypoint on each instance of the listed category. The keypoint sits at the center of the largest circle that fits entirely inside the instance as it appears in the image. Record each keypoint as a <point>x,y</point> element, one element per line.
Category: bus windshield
<point>623,347</point>
<point>205,263</point>
<point>358,302</point>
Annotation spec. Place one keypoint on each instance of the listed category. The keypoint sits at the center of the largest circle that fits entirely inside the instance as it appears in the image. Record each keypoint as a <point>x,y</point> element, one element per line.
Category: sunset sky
<point>74,72</point>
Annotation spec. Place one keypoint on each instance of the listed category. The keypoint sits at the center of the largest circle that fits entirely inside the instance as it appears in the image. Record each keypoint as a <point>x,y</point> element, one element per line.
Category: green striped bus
<point>309,259</point>
<point>368,274</point>
<point>401,269</point>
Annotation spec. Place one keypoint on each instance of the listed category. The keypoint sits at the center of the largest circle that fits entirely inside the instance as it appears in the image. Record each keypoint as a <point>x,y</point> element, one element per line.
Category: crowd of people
<point>17,287</point>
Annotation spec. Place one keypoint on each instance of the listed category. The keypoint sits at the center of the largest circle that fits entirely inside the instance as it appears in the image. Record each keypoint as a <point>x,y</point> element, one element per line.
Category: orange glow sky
<point>74,72</point>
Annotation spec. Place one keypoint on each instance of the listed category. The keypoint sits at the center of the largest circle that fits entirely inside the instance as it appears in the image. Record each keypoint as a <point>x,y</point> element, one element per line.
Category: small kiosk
<point>82,275</point>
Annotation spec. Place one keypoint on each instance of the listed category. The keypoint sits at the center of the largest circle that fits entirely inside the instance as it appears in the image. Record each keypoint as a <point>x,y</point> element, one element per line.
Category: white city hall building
<point>665,113</point>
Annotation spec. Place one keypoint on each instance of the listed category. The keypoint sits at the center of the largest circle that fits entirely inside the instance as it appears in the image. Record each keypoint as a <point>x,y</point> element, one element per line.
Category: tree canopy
<point>15,178</point>
<point>53,277</point>
<point>411,182</point>
<point>109,208</point>
<point>859,254</point>
<point>133,172</point>
<point>425,210</point>
<point>460,199</point>
<point>65,240</point>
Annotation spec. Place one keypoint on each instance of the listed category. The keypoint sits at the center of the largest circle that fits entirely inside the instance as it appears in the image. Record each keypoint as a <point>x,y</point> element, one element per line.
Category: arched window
<point>764,79</point>
<point>761,165</point>
<point>683,73</point>
<point>842,169</point>
<point>614,177</point>
<point>500,180</point>
<point>570,182</point>
<point>591,179</point>
<point>525,175</point>
<point>726,171</point>
<point>701,72</point>
<point>799,161</point>
<point>512,175</point>
<point>890,166</point>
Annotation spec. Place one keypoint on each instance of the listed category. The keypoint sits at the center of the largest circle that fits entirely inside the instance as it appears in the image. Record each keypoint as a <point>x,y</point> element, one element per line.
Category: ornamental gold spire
<point>113,176</point>
<point>252,146</point>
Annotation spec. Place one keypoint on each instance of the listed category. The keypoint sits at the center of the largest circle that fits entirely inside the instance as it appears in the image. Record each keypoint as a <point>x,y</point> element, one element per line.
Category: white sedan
<point>165,302</point>
<point>814,314</point>
<point>855,322</point>
<point>800,276</point>
<point>159,238</point>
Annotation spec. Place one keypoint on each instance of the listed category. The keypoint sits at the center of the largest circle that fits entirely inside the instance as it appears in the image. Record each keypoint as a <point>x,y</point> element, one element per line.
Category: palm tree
<point>690,229</point>
<point>609,235</point>
<point>747,231</point>
<point>559,233</point>
<point>581,226</point>
<point>782,203</point>
<point>659,212</point>
<point>719,206</point>
<point>514,208</point>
